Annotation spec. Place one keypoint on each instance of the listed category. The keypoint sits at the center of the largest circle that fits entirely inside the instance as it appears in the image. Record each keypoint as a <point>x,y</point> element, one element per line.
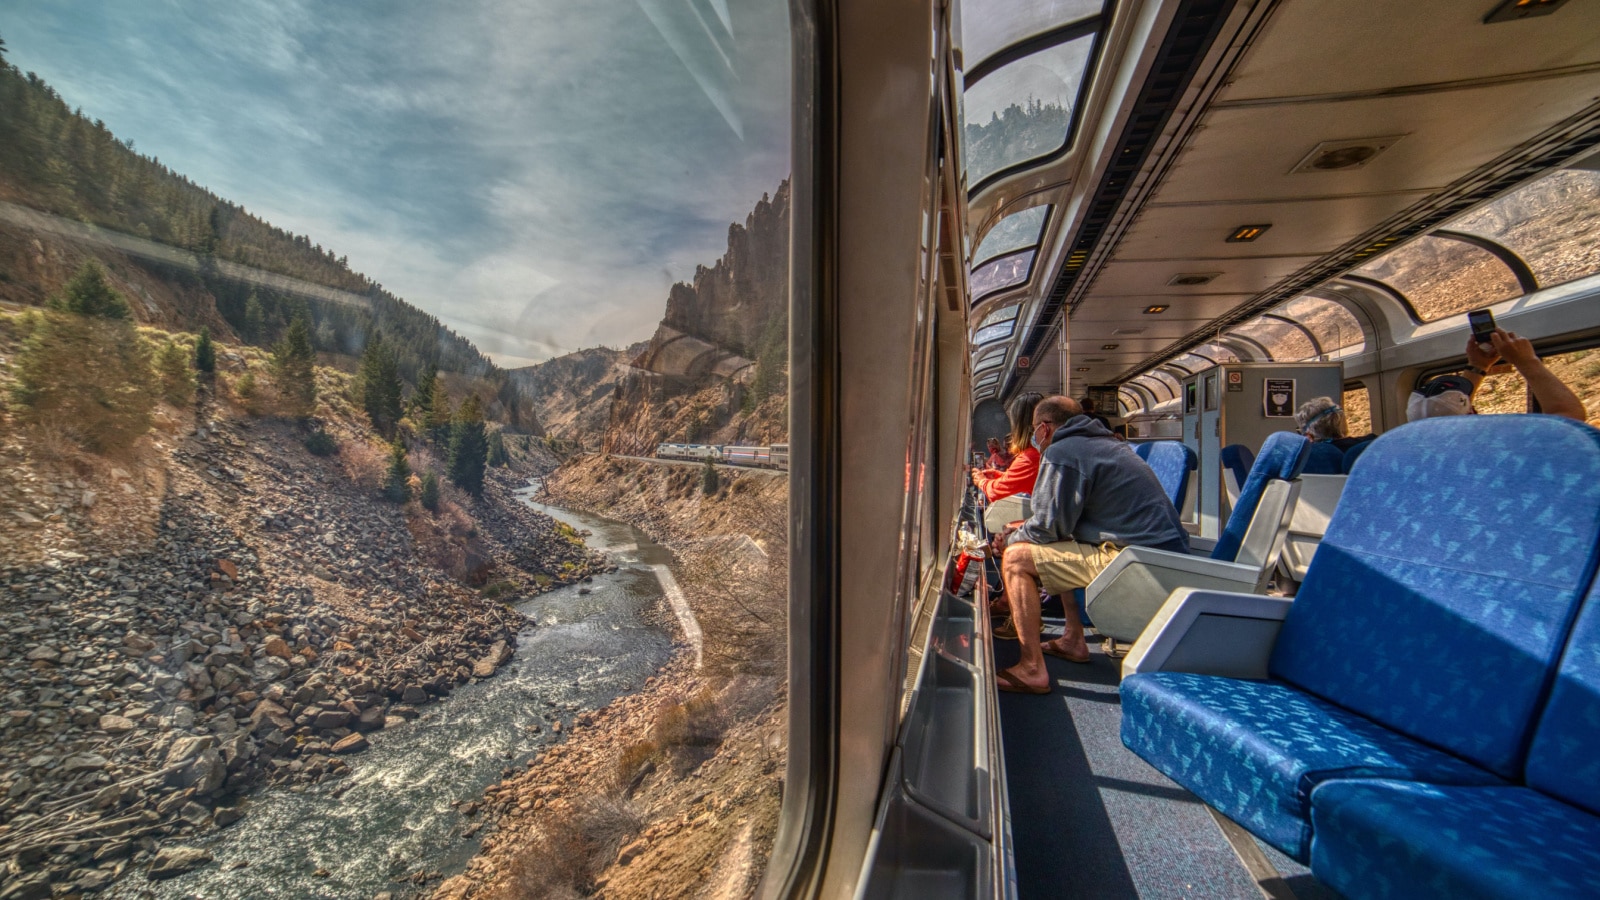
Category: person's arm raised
<point>1554,397</point>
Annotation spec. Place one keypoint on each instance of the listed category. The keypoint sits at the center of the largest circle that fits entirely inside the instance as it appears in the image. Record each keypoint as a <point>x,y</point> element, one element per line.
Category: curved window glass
<point>1162,384</point>
<point>1192,362</point>
<point>1216,353</point>
<point>1003,314</point>
<point>1335,327</point>
<point>993,357</point>
<point>1007,271</point>
<point>1442,277</point>
<point>1012,233</point>
<point>1283,341</point>
<point>993,333</point>
<point>1552,223</point>
<point>989,27</point>
<point>1023,110</point>
<point>988,379</point>
<point>1130,402</point>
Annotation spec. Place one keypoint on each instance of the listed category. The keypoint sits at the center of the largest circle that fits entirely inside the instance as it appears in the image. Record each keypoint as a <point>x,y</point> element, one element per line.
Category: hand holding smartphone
<point>1482,322</point>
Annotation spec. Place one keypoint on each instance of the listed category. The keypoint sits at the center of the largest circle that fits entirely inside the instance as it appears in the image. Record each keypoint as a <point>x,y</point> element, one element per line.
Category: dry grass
<point>575,844</point>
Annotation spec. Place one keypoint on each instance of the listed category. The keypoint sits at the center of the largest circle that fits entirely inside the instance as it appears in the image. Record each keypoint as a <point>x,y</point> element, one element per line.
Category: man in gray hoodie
<point>1093,497</point>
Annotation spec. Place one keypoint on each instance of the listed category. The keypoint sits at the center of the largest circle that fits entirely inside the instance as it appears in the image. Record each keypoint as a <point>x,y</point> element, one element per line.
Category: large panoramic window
<point>1442,277</point>
<point>1012,233</point>
<point>989,26</point>
<point>355,484</point>
<point>1023,110</point>
<point>1004,272</point>
<point>1507,392</point>
<point>1553,224</point>
<point>1336,329</point>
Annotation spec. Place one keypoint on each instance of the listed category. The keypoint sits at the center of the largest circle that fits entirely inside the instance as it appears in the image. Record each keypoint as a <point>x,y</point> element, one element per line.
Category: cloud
<point>526,171</point>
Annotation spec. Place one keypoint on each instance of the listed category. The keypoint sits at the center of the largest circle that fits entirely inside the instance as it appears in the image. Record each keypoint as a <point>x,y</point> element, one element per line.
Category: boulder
<point>277,646</point>
<point>116,724</point>
<point>498,653</point>
<point>350,743</point>
<point>172,861</point>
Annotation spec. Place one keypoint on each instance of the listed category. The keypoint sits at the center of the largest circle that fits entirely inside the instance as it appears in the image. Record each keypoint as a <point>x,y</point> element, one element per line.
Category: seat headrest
<point>1283,456</point>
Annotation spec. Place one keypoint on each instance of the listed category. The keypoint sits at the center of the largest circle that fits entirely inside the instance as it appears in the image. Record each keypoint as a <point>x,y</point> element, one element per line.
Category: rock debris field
<point>260,615</point>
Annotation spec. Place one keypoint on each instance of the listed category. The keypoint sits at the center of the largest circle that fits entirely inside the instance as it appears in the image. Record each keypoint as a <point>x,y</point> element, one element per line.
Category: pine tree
<point>255,320</point>
<point>497,450</point>
<point>205,354</point>
<point>422,399</point>
<point>89,377</point>
<point>469,447</point>
<point>177,382</point>
<point>380,385</point>
<point>430,492</point>
<point>396,481</point>
<point>88,294</point>
<point>440,416</point>
<point>294,370</point>
<point>709,481</point>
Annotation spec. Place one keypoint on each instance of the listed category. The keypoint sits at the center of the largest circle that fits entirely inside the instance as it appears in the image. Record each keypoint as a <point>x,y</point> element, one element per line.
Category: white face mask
<point>1034,440</point>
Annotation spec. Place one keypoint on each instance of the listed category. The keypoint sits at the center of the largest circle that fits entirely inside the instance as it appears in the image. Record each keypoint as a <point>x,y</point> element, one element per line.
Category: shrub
<point>708,479</point>
<point>468,447</point>
<point>177,381</point>
<point>633,763</point>
<point>294,370</point>
<point>396,480</point>
<point>321,443</point>
<point>429,494</point>
<point>574,844</point>
<point>205,354</point>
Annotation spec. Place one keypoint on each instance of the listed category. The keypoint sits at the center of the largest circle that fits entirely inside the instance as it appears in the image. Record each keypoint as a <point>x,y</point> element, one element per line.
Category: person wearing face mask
<point>1017,478</point>
<point>1093,497</point>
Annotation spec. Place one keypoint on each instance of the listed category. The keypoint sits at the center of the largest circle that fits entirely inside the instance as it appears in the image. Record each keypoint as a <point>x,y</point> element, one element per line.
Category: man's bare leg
<point>1022,590</point>
<point>1071,644</point>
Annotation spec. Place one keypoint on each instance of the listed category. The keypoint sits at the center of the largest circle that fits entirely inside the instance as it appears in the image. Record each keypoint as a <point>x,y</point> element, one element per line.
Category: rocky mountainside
<point>218,608</point>
<point>571,395</point>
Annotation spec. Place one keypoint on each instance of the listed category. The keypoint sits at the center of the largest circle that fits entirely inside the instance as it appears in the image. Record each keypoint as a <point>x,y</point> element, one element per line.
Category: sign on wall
<point>1277,397</point>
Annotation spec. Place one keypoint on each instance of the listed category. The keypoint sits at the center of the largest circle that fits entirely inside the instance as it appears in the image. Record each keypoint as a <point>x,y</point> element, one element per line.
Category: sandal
<point>1048,650</point>
<point>1010,683</point>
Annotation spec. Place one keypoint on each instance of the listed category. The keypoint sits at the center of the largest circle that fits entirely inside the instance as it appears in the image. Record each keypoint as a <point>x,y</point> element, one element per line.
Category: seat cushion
<point>1394,839</point>
<point>1283,457</point>
<point>1564,760</point>
<point>1448,580</point>
<point>1255,749</point>
<point>1323,458</point>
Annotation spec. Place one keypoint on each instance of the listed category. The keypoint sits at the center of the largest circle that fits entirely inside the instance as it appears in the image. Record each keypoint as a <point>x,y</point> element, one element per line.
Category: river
<point>392,815</point>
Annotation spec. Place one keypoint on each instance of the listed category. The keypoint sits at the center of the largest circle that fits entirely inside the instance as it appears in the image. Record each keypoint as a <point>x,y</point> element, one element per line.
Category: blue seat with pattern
<point>1283,458</point>
<point>1324,459</point>
<point>1471,540</point>
<point>1353,454</point>
<point>1172,462</point>
<point>1236,461</point>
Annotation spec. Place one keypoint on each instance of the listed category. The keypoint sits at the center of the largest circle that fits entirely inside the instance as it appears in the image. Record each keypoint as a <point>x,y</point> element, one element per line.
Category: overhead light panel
<point>1157,309</point>
<point>1109,346</point>
<point>1350,153</point>
<point>1191,279</point>
<point>1512,10</point>
<point>1083,368</point>
<point>1244,234</point>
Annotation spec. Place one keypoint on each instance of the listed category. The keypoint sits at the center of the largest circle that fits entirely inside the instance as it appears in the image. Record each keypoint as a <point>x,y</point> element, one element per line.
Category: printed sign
<point>1024,361</point>
<point>1235,382</point>
<point>1278,397</point>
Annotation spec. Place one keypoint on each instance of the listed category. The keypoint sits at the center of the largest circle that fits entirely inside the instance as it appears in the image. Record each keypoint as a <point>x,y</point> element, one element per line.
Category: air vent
<point>1338,156</point>
<point>1192,279</point>
<point>1120,332</point>
<point>1096,359</point>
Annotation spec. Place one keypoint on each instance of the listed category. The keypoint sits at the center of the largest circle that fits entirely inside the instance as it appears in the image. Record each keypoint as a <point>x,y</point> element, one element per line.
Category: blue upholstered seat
<point>1472,541</point>
<point>1564,759</point>
<point>1409,841</point>
<point>1353,454</point>
<point>1172,462</point>
<point>1143,449</point>
<point>1254,749</point>
<point>1324,459</point>
<point>1283,456</point>
<point>1237,459</point>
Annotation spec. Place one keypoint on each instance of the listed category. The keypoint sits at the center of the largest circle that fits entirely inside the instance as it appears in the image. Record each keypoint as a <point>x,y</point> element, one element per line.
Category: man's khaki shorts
<point>1069,564</point>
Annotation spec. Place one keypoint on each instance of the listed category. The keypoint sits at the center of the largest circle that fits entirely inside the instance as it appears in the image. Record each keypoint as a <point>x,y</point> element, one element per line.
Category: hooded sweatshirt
<point>1094,489</point>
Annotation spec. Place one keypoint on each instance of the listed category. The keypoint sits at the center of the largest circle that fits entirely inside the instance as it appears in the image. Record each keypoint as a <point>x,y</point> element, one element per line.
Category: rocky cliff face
<point>572,395</point>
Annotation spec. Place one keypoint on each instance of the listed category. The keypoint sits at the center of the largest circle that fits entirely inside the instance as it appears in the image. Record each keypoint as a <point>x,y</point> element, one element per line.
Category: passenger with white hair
<point>1451,395</point>
<point>1323,420</point>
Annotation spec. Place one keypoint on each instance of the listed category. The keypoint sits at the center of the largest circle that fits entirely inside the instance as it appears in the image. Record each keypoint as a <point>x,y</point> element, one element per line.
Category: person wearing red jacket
<point>1018,477</point>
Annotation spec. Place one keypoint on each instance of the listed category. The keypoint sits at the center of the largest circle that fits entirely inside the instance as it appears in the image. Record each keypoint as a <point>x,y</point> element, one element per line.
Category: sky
<point>536,173</point>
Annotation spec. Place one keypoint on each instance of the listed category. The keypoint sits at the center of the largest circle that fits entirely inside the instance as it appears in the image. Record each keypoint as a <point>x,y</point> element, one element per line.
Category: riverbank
<point>218,611</point>
<point>674,790</point>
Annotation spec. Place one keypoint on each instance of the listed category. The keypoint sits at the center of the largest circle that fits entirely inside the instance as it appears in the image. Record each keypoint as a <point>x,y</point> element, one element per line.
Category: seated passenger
<point>1093,498</point>
<point>998,457</point>
<point>1089,410</point>
<point>1451,395</point>
<point>1322,420</point>
<point>1018,477</point>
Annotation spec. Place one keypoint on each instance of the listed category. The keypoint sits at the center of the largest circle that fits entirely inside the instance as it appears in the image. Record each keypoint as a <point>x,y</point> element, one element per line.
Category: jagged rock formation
<point>571,395</point>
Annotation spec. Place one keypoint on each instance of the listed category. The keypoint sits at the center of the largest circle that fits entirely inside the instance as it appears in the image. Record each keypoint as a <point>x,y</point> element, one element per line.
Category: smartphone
<point>1482,322</point>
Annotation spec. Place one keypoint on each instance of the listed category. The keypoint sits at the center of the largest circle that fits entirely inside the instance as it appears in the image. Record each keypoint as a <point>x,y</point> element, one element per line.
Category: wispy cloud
<point>534,173</point>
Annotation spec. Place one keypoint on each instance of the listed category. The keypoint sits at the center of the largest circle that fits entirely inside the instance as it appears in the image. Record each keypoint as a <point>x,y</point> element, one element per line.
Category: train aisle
<point>1089,819</point>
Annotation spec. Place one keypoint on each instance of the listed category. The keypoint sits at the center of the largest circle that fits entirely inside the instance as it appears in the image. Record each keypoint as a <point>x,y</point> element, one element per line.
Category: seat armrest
<point>1210,632</point>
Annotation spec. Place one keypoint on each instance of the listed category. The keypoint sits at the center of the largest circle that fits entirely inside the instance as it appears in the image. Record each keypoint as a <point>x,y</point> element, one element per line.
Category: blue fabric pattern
<point>1143,449</point>
<point>1239,459</point>
<point>1283,457</point>
<point>1254,749</point>
<point>1564,760</point>
<point>1388,840</point>
<point>1324,459</point>
<point>1172,462</point>
<point>1353,454</point>
<point>1465,542</point>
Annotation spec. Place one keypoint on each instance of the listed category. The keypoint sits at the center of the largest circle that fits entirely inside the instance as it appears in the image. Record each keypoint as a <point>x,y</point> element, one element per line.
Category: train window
<point>1282,340</point>
<point>1169,385</point>
<point>1552,223</point>
<point>301,430</point>
<point>1012,233</point>
<point>993,333</point>
<point>1192,362</point>
<point>1003,314</point>
<point>1336,329</point>
<point>1507,392</point>
<point>1002,273</point>
<point>987,380</point>
<point>1442,277</point>
<point>1023,110</point>
<point>1357,409</point>
<point>989,26</point>
<point>993,357</point>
